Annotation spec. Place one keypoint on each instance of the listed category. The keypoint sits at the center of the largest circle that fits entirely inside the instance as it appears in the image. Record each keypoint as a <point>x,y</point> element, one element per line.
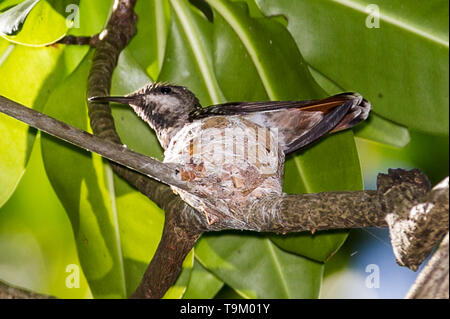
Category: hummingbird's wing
<point>299,123</point>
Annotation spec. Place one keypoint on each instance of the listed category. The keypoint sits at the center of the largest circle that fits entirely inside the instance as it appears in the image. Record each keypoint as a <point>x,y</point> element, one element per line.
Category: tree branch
<point>92,41</point>
<point>176,242</point>
<point>117,152</point>
<point>432,282</point>
<point>8,292</point>
<point>416,230</point>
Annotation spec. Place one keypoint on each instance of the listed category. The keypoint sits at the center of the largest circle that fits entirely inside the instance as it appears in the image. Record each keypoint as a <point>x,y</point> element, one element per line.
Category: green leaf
<point>188,60</point>
<point>202,284</point>
<point>141,223</point>
<point>265,46</point>
<point>92,19</point>
<point>149,44</point>
<point>135,133</point>
<point>28,76</point>
<point>12,20</point>
<point>36,241</point>
<point>87,192</point>
<point>265,270</point>
<point>43,24</point>
<point>383,131</point>
<point>375,128</point>
<point>401,67</point>
<point>8,4</point>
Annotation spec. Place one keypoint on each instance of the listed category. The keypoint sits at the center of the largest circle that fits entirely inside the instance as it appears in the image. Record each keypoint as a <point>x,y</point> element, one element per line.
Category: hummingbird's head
<point>164,107</point>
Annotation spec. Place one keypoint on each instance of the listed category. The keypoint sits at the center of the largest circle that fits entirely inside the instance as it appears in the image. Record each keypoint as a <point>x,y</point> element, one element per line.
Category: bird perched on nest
<point>235,151</point>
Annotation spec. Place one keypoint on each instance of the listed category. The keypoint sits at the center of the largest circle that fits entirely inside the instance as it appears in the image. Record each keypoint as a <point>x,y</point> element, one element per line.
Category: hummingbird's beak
<point>118,99</point>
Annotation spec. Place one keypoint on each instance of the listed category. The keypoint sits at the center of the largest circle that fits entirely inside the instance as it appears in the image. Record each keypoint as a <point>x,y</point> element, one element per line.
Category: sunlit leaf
<point>37,248</point>
<point>202,284</point>
<point>149,44</point>
<point>375,128</point>
<point>401,67</point>
<point>265,270</point>
<point>27,76</point>
<point>87,192</point>
<point>11,21</point>
<point>92,19</point>
<point>34,23</point>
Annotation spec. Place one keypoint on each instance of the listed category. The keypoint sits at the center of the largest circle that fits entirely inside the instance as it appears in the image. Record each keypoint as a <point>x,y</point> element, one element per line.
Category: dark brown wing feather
<point>299,123</point>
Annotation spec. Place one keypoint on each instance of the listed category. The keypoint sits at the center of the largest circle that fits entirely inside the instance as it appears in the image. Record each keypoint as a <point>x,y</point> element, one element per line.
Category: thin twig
<point>113,151</point>
<point>92,41</point>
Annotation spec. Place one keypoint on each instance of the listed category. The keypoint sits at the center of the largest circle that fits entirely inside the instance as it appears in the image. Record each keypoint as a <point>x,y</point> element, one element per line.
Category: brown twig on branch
<point>92,41</point>
<point>9,292</point>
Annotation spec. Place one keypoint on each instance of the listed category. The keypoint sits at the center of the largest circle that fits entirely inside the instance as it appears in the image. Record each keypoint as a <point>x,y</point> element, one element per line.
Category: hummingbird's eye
<point>166,90</point>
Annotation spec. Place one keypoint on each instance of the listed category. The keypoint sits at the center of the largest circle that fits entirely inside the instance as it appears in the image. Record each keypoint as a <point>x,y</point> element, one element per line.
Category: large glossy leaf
<point>278,72</point>
<point>402,66</point>
<point>27,76</point>
<point>35,22</point>
<point>37,248</point>
<point>149,44</point>
<point>87,192</point>
<point>11,21</point>
<point>267,48</point>
<point>375,128</point>
<point>141,224</point>
<point>92,19</point>
<point>188,60</point>
<point>202,284</point>
<point>265,271</point>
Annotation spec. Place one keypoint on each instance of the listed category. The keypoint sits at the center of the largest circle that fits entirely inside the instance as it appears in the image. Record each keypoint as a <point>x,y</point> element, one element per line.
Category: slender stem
<point>110,150</point>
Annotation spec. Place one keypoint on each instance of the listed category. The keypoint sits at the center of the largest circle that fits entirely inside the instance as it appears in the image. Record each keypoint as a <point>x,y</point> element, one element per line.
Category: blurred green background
<point>61,206</point>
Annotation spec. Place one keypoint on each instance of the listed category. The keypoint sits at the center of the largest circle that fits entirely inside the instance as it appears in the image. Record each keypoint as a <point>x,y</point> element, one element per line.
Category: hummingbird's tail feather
<point>358,113</point>
<point>338,113</point>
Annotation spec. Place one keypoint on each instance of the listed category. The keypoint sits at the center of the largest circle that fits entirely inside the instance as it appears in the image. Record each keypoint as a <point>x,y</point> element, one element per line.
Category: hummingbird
<point>235,151</point>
